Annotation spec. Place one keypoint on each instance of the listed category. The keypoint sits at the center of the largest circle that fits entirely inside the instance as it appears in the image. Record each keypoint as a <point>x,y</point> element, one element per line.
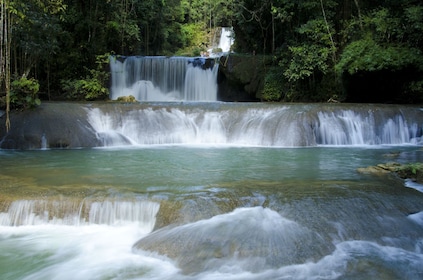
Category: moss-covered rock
<point>129,98</point>
<point>413,171</point>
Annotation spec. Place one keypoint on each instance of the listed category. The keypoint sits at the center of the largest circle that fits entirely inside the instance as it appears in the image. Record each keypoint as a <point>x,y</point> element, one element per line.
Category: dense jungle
<point>312,51</point>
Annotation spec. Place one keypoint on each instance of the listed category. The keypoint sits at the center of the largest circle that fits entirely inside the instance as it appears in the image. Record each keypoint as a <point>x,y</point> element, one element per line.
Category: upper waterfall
<point>224,43</point>
<point>226,40</point>
<point>164,78</point>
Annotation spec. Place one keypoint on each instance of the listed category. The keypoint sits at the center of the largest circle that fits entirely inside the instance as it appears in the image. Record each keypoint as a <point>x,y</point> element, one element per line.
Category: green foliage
<point>24,93</point>
<point>306,59</point>
<point>367,55</point>
<point>273,85</point>
<point>411,170</point>
<point>413,25</point>
<point>194,38</point>
<point>57,41</point>
<point>315,54</point>
<point>90,88</point>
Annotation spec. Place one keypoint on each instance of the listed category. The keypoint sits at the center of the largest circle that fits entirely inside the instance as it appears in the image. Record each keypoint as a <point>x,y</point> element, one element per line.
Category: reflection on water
<point>179,212</point>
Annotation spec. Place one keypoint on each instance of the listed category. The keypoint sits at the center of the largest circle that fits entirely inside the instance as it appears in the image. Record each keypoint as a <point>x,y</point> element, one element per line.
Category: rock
<point>373,170</point>
<point>55,125</point>
<point>129,98</point>
<point>241,77</point>
<point>413,171</point>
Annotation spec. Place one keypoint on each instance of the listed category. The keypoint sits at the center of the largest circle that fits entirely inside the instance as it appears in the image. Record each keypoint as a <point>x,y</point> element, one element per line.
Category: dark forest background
<point>345,50</point>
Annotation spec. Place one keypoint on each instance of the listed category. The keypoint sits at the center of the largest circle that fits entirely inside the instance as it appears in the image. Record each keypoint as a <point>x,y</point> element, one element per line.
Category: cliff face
<point>241,77</point>
<point>65,125</point>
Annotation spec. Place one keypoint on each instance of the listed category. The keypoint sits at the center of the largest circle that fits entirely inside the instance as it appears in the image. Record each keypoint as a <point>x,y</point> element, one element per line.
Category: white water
<point>364,231</point>
<point>105,252</point>
<point>353,128</point>
<point>284,126</point>
<point>164,79</point>
<point>225,42</point>
<point>226,39</point>
<point>63,212</point>
<point>77,240</point>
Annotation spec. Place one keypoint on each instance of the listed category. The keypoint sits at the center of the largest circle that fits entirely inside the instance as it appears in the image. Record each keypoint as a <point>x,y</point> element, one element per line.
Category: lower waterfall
<point>258,125</point>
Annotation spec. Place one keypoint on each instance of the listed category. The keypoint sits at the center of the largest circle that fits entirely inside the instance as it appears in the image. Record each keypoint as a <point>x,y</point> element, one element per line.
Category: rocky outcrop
<point>51,125</point>
<point>241,77</point>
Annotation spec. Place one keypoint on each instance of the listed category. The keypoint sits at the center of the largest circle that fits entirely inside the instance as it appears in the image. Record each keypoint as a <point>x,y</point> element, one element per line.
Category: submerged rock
<point>254,237</point>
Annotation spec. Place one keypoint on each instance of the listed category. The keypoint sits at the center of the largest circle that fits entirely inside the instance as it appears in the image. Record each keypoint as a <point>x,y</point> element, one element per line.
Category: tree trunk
<point>359,14</point>
<point>5,54</point>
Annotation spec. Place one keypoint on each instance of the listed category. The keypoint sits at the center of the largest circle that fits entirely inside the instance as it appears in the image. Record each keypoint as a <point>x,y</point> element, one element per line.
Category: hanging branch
<point>256,15</point>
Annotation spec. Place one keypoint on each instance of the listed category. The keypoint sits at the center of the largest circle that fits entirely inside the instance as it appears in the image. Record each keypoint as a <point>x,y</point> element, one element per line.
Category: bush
<point>90,88</point>
<point>24,93</point>
<point>273,85</point>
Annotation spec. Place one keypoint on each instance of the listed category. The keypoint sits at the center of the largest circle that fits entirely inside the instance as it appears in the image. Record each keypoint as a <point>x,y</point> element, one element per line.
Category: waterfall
<point>224,43</point>
<point>164,78</point>
<point>258,125</point>
<point>226,40</point>
<point>76,213</point>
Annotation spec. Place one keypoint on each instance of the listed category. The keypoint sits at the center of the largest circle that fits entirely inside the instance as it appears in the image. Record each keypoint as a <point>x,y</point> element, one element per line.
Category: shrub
<point>273,85</point>
<point>24,93</point>
<point>90,88</point>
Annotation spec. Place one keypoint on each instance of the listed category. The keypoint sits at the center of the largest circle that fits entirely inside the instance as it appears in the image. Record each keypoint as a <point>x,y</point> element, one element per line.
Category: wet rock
<point>51,125</point>
<point>380,168</point>
<point>254,237</point>
<point>413,171</point>
<point>129,98</point>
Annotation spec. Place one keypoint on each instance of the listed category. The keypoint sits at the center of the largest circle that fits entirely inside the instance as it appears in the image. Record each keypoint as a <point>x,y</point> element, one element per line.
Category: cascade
<point>164,78</point>
<point>76,213</point>
<point>226,40</point>
<point>258,125</point>
<point>224,43</point>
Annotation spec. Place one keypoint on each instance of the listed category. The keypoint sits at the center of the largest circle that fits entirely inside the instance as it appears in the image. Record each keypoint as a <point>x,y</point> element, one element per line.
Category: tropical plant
<point>24,93</point>
<point>93,86</point>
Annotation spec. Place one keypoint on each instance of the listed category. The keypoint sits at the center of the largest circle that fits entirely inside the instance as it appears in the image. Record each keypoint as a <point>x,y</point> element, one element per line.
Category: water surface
<point>209,212</point>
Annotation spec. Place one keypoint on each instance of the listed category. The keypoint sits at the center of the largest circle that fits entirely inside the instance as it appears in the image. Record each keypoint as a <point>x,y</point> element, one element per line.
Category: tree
<point>5,32</point>
<point>253,22</point>
<point>386,44</point>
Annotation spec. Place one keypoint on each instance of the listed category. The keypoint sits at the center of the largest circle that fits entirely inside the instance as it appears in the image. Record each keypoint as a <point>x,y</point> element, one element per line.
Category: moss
<point>129,98</point>
<point>413,171</point>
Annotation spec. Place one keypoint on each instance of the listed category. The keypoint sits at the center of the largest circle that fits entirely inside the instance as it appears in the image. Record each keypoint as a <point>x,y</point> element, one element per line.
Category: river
<point>209,211</point>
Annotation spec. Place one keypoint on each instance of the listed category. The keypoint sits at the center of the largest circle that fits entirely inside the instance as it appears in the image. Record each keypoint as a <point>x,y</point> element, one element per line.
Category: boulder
<point>129,98</point>
<point>50,125</point>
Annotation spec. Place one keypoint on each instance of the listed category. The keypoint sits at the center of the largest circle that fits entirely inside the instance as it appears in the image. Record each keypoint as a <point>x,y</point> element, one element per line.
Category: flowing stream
<point>253,124</point>
<point>216,197</point>
<point>210,190</point>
